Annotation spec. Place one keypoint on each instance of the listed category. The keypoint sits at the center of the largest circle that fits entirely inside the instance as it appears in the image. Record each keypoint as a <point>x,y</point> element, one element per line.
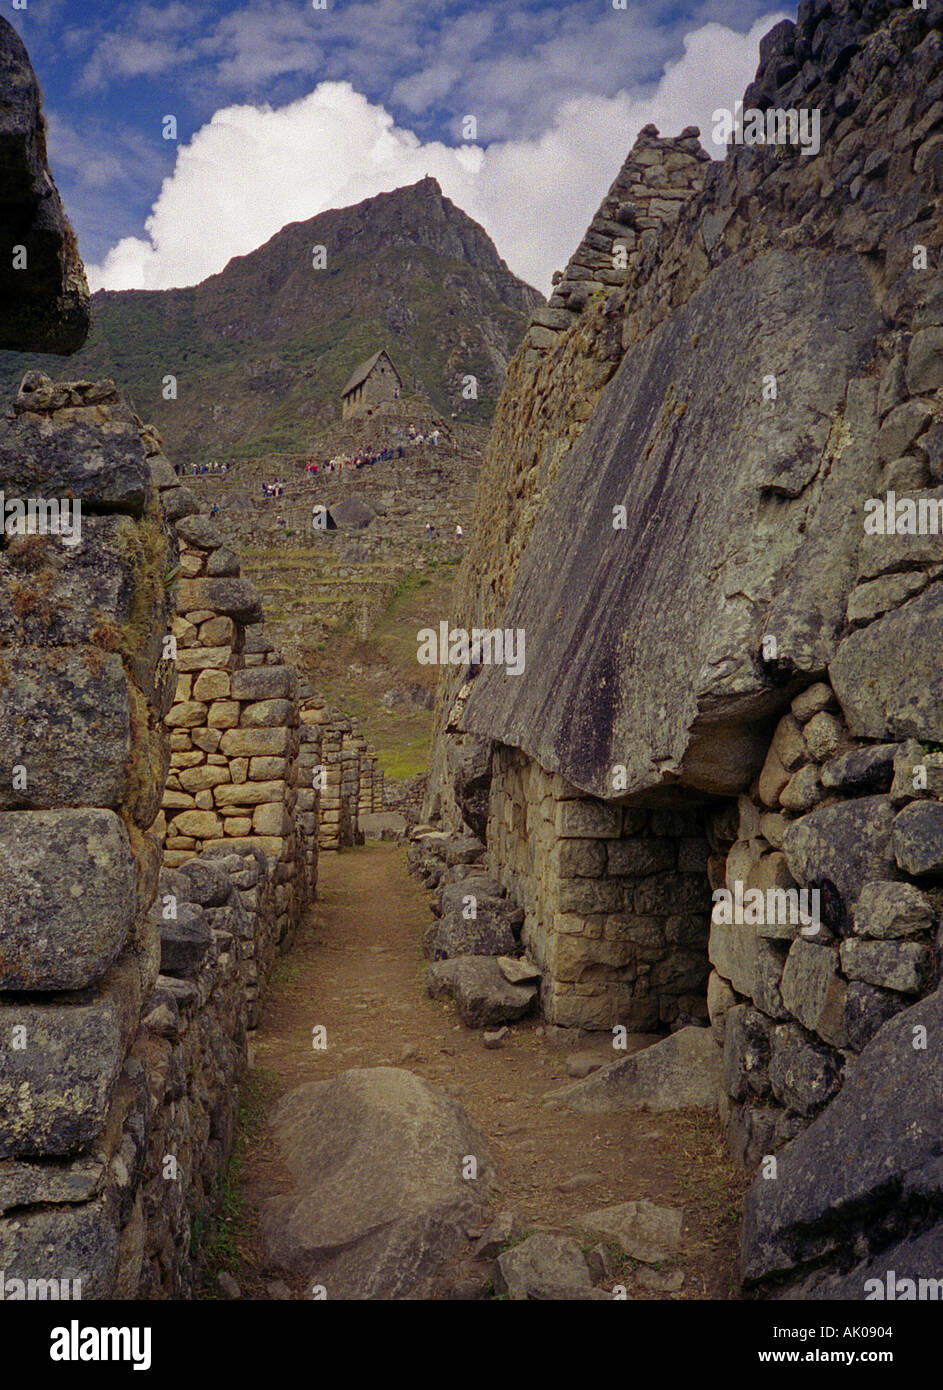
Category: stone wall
<point>860,822</point>
<point>645,199</point>
<point>758,637</point>
<point>190,1054</point>
<point>233,779</point>
<point>84,691</point>
<point>406,797</point>
<point>120,1212</point>
<point>616,900</point>
<point>350,783</point>
<point>877,95</point>
<point>125,1020</point>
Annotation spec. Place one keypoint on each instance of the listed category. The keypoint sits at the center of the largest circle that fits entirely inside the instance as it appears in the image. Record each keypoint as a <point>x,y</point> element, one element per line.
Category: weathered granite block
<point>746,1053</point>
<point>918,838</point>
<point>77,1244</point>
<point>234,598</point>
<point>69,895</point>
<point>813,992</point>
<point>803,1074</point>
<point>60,1063</point>
<point>590,819</point>
<point>104,469</point>
<point>892,909</point>
<point>184,941</point>
<point>264,683</point>
<point>580,858</point>
<point>65,720</point>
<point>848,844</point>
<point>900,965</point>
<point>880,694</point>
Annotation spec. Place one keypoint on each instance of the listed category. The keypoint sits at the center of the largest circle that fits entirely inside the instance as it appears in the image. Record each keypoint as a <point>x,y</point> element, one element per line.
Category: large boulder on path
<point>484,997</point>
<point>381,1198</point>
<point>682,1071</point>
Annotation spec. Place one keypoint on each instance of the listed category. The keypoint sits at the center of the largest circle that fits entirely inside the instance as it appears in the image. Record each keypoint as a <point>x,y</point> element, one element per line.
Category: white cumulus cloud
<point>252,169</point>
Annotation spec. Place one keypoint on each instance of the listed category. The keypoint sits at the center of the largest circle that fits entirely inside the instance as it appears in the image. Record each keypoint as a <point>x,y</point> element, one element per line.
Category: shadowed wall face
<point>44,304</point>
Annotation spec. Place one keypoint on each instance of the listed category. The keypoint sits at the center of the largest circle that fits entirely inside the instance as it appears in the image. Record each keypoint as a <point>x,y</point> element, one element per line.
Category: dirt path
<point>356,969</point>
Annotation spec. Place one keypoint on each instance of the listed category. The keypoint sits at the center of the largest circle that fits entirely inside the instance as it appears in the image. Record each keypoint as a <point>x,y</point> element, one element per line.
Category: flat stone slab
<point>696,599</point>
<point>681,1072</point>
<point>543,1267</point>
<point>642,1230</point>
<point>484,997</point>
<point>518,972</point>
<point>32,1183</point>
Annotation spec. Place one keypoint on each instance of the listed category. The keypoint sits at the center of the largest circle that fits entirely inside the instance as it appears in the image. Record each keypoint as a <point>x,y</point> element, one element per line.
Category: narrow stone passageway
<point>357,971</point>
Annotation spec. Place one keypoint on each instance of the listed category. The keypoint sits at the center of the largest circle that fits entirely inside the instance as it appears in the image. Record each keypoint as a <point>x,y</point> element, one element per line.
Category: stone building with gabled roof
<point>373,382</point>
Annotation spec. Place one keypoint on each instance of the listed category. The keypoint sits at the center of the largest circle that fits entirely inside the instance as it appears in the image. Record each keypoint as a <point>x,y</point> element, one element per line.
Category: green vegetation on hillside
<point>261,351</point>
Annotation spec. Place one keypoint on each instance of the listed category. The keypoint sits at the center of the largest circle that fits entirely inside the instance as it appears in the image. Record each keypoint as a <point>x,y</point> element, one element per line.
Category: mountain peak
<point>271,340</point>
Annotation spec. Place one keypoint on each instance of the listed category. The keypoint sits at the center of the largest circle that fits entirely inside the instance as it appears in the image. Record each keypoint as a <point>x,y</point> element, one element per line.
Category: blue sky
<point>341,102</point>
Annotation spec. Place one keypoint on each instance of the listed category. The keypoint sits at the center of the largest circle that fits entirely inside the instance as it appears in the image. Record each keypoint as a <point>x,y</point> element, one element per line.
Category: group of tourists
<point>416,438</point>
<point>367,458</point>
<point>340,462</point>
<point>192,470</point>
<point>433,535</point>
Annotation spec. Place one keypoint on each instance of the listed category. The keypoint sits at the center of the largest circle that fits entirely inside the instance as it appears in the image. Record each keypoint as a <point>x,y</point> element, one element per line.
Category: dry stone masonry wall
<point>160,819</point>
<point>85,690</point>
<point>761,642</point>
<point>756,656</point>
<point>657,178</point>
<point>234,728</point>
<point>616,900</point>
